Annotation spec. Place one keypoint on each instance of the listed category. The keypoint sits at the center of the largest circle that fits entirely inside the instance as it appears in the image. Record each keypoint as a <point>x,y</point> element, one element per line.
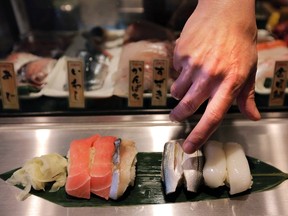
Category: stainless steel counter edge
<point>25,137</point>
<point>115,119</point>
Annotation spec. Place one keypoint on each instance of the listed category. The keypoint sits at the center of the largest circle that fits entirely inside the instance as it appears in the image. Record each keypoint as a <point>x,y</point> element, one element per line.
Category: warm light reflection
<point>279,153</point>
<point>34,206</point>
<point>160,135</point>
<point>42,137</point>
<point>167,210</point>
<point>66,7</point>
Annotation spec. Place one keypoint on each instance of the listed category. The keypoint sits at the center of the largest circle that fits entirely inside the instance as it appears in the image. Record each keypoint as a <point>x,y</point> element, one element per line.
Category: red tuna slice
<point>102,166</point>
<point>78,181</point>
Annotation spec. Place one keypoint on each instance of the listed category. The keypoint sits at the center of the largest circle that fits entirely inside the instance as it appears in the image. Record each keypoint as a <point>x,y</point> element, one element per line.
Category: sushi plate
<point>149,189</point>
<point>264,143</point>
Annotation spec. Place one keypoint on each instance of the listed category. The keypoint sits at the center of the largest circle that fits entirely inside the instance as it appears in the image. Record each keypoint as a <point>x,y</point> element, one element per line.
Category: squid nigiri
<point>226,164</point>
<point>239,177</point>
<point>214,171</point>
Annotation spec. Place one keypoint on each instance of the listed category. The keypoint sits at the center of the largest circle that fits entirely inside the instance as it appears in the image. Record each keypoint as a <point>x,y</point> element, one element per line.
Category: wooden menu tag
<point>76,84</point>
<point>160,75</point>
<point>277,94</point>
<point>136,82</point>
<point>9,90</point>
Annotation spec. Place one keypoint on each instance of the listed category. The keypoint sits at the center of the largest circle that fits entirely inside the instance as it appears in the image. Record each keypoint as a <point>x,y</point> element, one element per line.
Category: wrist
<point>239,14</point>
<point>235,6</point>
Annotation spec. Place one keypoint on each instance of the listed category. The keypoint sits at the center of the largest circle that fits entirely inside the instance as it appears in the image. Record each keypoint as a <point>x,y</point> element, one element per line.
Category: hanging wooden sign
<point>76,84</point>
<point>277,94</point>
<point>159,86</point>
<point>9,90</point>
<point>136,83</point>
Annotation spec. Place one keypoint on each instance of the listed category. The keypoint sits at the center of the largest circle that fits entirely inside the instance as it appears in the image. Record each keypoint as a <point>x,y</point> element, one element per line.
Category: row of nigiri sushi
<point>105,166</point>
<point>219,164</point>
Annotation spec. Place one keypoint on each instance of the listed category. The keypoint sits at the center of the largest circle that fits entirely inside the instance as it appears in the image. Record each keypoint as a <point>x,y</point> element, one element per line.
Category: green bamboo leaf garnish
<point>148,188</point>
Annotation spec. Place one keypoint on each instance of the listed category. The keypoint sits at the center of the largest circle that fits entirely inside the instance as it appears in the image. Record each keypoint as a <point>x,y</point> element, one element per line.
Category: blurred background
<point>56,28</point>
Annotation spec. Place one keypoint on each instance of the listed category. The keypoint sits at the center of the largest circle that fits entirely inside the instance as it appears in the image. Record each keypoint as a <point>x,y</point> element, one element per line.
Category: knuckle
<point>235,83</point>
<point>214,118</point>
<point>189,106</point>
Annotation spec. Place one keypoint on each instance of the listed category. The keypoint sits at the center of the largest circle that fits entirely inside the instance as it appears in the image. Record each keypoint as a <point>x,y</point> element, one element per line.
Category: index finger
<point>209,122</point>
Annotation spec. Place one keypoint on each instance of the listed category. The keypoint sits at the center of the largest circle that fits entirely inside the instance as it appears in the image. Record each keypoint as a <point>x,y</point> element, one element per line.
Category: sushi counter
<point>23,138</point>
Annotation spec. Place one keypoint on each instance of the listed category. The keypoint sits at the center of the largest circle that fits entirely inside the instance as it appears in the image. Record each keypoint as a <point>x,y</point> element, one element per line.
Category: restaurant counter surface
<point>23,138</point>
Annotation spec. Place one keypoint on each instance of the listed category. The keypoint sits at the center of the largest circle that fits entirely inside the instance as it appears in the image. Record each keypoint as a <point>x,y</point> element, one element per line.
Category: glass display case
<point>39,37</point>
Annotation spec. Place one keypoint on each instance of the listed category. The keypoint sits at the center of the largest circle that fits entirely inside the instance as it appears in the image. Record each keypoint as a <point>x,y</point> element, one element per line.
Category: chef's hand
<point>217,57</point>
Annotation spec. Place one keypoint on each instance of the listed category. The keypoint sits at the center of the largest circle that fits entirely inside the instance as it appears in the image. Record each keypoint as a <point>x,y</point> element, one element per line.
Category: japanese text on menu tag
<point>136,73</point>
<point>159,89</point>
<point>8,83</point>
<point>76,84</point>
<point>277,94</point>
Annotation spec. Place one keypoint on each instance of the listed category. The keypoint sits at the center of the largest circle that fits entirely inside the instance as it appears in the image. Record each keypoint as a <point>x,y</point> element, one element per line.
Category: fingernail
<point>173,94</point>
<point>189,147</point>
<point>175,97</point>
<point>172,117</point>
<point>173,120</point>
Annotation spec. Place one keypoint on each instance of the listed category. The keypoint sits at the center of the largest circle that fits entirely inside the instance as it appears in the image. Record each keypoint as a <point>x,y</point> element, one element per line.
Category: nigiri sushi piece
<point>192,165</point>
<point>239,177</point>
<point>101,170</point>
<point>171,168</point>
<point>78,180</point>
<point>214,171</point>
<point>124,172</point>
<point>178,167</point>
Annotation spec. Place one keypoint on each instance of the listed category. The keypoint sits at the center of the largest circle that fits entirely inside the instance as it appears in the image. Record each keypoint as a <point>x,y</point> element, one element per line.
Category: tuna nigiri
<point>102,166</point>
<point>78,181</point>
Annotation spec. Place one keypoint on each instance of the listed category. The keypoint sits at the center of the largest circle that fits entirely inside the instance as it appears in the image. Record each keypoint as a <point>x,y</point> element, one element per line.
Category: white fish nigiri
<point>171,169</point>
<point>214,171</point>
<point>239,177</point>
<point>124,171</point>
<point>179,167</point>
<point>192,165</point>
